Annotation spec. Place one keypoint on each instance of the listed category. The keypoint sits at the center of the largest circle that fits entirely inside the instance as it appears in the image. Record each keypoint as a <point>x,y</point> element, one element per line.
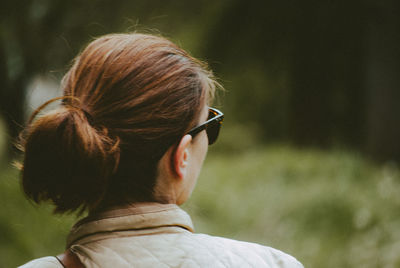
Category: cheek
<point>200,152</point>
<point>204,147</point>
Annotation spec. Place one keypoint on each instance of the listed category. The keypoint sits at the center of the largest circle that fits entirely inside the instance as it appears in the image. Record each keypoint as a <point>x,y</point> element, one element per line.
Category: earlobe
<point>182,156</point>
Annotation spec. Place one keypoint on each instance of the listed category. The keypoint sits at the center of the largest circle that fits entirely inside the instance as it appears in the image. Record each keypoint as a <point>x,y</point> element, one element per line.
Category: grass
<point>27,231</point>
<point>328,209</point>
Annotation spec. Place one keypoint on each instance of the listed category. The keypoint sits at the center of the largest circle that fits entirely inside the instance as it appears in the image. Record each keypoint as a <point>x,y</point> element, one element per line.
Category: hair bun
<point>68,160</point>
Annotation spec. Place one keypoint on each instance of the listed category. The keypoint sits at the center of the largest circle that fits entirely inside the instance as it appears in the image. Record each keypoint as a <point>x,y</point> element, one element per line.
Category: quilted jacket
<point>158,235</point>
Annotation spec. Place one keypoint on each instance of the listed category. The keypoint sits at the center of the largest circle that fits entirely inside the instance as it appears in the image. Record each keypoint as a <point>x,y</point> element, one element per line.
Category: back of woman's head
<point>127,99</point>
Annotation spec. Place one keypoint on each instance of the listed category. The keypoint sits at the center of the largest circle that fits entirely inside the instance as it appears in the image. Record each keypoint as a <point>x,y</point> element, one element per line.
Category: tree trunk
<point>383,141</point>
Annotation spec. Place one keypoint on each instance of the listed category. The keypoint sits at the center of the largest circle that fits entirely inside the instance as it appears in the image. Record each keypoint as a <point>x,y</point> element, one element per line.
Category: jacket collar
<point>138,216</point>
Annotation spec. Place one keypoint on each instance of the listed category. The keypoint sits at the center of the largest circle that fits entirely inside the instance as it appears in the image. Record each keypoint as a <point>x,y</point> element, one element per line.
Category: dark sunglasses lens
<point>211,114</point>
<point>213,131</point>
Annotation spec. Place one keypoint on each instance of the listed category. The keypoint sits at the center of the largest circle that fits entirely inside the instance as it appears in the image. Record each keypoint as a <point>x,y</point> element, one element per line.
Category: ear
<point>181,157</point>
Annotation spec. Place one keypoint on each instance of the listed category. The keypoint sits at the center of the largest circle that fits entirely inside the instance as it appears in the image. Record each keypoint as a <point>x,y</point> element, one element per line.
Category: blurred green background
<point>308,159</point>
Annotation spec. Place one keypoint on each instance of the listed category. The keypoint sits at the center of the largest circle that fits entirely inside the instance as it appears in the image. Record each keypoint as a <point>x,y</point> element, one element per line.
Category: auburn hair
<point>127,99</point>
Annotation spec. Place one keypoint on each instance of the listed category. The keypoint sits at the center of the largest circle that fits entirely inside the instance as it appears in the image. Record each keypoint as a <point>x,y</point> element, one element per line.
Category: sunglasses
<point>212,125</point>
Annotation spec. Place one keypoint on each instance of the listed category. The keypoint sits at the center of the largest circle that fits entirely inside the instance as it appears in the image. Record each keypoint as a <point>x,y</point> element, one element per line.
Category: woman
<point>127,145</point>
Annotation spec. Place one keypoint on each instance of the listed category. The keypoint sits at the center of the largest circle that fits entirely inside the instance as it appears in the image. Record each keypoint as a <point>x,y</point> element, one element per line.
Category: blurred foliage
<point>328,209</point>
<point>27,231</point>
<point>3,141</point>
<point>319,73</point>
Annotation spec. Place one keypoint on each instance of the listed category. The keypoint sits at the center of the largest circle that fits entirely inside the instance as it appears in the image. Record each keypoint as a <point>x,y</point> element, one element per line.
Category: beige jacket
<point>156,235</point>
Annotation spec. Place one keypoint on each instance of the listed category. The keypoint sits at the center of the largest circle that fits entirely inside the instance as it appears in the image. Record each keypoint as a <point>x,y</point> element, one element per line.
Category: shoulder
<point>249,253</point>
<point>45,262</point>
